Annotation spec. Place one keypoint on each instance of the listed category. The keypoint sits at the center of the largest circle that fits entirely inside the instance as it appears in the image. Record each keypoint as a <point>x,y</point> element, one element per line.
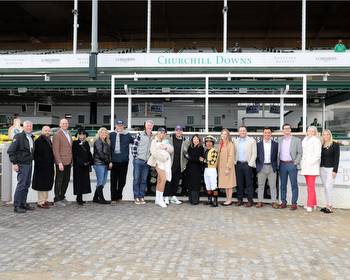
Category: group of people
<point>228,164</point>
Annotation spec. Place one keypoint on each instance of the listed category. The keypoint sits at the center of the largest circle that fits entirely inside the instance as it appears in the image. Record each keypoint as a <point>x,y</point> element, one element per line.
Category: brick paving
<point>130,241</point>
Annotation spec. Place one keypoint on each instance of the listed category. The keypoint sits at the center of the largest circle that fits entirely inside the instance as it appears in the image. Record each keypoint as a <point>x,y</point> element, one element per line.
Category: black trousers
<point>118,178</point>
<point>171,187</point>
<point>62,182</point>
<point>244,174</point>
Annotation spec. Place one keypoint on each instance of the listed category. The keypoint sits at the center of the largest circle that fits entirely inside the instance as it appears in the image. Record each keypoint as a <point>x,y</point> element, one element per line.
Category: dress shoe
<point>323,209</point>
<point>28,207</point>
<point>43,206</point>
<point>275,205</point>
<point>80,202</point>
<point>19,210</point>
<point>239,203</point>
<point>259,205</point>
<point>283,205</point>
<point>293,207</point>
<point>248,204</point>
<point>328,211</point>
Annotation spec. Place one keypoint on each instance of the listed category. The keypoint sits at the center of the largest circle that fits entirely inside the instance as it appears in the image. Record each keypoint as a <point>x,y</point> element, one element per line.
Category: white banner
<point>169,60</point>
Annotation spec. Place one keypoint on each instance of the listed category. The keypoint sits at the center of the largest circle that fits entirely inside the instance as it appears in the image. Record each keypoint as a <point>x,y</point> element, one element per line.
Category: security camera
<point>225,9</point>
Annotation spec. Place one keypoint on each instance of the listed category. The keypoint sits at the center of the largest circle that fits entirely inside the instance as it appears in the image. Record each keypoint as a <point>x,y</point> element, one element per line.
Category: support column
<point>149,13</point>
<point>303,26</point>
<point>224,12</point>
<point>75,26</point>
<point>323,113</point>
<point>206,104</point>
<point>281,111</point>
<point>129,112</point>
<point>94,41</point>
<point>304,102</point>
<point>112,102</point>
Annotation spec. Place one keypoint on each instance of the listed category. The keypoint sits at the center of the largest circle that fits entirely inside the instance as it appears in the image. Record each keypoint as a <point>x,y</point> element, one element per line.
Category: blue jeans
<point>289,169</point>
<point>101,174</point>
<point>24,177</point>
<point>141,169</point>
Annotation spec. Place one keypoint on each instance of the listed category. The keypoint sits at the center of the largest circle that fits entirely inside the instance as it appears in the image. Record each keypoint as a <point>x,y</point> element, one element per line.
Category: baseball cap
<point>178,127</point>
<point>161,129</point>
<point>119,122</point>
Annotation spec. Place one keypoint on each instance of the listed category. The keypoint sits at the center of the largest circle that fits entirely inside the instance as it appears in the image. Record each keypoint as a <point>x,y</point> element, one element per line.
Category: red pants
<point>311,193</point>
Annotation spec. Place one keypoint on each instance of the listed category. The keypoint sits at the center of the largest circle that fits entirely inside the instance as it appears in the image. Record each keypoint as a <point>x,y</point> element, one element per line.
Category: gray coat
<point>295,150</point>
<point>184,148</point>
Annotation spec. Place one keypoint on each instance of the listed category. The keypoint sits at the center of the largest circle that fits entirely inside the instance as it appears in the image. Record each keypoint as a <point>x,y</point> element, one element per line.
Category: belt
<point>242,161</point>
<point>267,163</point>
<point>287,161</point>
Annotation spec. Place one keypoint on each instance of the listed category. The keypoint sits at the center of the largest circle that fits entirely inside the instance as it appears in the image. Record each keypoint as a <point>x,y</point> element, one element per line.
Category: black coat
<point>102,153</point>
<point>19,150</point>
<point>82,161</point>
<point>43,164</point>
<point>194,168</point>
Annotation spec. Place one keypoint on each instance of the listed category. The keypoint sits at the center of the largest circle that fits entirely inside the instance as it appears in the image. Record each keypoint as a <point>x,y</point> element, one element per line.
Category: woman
<point>160,158</point>
<point>310,164</point>
<point>82,161</point>
<point>194,169</point>
<point>102,162</point>
<point>43,167</point>
<point>329,167</point>
<point>226,170</point>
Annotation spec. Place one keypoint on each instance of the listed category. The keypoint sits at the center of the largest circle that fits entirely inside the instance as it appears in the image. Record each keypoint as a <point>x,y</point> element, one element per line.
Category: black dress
<point>82,161</point>
<point>194,172</point>
<point>43,175</point>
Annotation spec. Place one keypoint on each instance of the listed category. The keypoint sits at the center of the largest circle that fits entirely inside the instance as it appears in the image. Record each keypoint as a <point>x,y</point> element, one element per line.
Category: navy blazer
<point>261,155</point>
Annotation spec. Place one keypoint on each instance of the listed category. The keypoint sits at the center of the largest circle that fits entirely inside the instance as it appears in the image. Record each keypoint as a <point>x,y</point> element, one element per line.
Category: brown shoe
<point>44,206</point>
<point>248,204</point>
<point>282,206</point>
<point>239,203</point>
<point>275,205</point>
<point>259,205</point>
<point>293,207</point>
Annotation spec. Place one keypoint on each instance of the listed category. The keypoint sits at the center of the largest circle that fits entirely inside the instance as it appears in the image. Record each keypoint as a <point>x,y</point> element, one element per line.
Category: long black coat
<point>82,161</point>
<point>43,165</point>
<point>194,168</point>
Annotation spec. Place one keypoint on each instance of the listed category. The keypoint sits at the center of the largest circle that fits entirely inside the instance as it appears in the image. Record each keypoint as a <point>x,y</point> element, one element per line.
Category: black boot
<point>210,198</point>
<point>80,199</point>
<point>215,198</point>
<point>95,199</point>
<point>101,198</point>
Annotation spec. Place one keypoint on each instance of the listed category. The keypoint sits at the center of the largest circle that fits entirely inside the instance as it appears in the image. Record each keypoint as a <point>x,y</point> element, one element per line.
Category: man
<point>21,153</point>
<point>266,167</point>
<point>246,156</point>
<point>140,151</point>
<point>179,162</point>
<point>340,47</point>
<point>289,156</point>
<point>120,141</point>
<point>44,170</point>
<point>62,150</point>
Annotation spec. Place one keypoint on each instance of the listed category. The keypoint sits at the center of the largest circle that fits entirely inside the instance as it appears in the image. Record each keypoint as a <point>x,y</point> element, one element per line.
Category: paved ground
<point>181,242</point>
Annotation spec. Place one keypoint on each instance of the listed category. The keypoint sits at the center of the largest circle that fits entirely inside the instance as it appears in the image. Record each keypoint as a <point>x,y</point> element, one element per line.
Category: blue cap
<point>178,127</point>
<point>119,122</point>
<point>161,129</point>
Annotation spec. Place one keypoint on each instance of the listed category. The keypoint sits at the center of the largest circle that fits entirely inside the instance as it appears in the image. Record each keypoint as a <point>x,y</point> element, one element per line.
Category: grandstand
<point>37,64</point>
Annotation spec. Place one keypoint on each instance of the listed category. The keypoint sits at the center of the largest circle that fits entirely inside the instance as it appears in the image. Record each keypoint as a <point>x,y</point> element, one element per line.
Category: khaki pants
<point>267,173</point>
<point>42,197</point>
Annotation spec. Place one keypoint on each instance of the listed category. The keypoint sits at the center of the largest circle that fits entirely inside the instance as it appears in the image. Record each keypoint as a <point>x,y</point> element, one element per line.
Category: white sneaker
<point>308,209</point>
<point>60,204</point>
<point>161,203</point>
<point>174,200</point>
<point>166,200</point>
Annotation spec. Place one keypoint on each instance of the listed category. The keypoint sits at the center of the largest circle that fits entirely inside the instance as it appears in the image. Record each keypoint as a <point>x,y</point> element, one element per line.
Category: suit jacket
<point>62,149</point>
<point>250,151</point>
<point>261,155</point>
<point>295,150</point>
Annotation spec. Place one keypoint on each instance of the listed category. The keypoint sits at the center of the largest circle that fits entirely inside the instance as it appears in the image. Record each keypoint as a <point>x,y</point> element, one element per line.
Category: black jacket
<point>102,152</point>
<point>19,151</point>
<point>261,155</point>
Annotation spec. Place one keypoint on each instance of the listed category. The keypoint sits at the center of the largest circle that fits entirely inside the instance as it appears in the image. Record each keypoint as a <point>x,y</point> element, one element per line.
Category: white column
<point>281,111</point>
<point>224,12</point>
<point>303,26</point>
<point>149,10</point>
<point>112,102</point>
<point>94,27</point>
<point>75,26</point>
<point>206,104</point>
<point>304,102</point>
<point>129,112</point>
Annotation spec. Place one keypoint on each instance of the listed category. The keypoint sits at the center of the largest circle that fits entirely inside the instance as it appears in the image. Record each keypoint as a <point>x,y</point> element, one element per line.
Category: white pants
<point>327,181</point>
<point>210,179</point>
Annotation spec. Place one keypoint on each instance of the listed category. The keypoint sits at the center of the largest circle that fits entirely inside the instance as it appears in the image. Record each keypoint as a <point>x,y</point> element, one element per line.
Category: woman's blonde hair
<point>228,134</point>
<point>331,141</point>
<point>98,134</point>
